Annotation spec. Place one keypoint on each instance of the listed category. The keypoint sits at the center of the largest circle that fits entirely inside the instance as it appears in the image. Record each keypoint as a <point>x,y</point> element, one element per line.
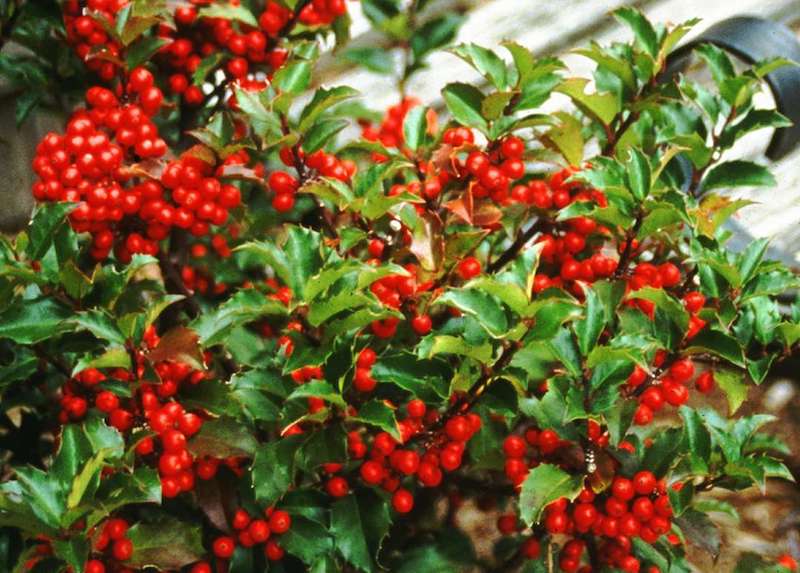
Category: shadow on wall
<point>17,148</point>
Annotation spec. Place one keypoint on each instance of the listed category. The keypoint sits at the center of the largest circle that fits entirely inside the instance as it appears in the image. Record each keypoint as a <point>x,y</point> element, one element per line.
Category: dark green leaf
<point>229,12</point>
<point>321,133</point>
<point>737,173</point>
<point>378,60</point>
<point>643,31</point>
<point>31,321</point>
<point>223,438</point>
<point>168,544</point>
<point>484,307</point>
<point>433,35</point>
<point>545,484</point>
<point>464,102</point>
<point>379,415</point>
<point>274,469</point>
<point>415,127</point>
<point>323,100</point>
<point>486,62</point>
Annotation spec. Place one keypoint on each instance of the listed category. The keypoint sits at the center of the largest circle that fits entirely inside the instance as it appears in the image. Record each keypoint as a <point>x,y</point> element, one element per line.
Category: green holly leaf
<point>486,62</point>
<point>639,174</point>
<point>99,323</point>
<point>323,99</point>
<point>643,31</point>
<point>359,522</point>
<point>733,384</point>
<point>234,12</point>
<point>307,540</point>
<point>222,438</point>
<point>465,104</point>
<point>566,138</point>
<point>167,544</point>
<point>293,78</point>
<point>545,484</point>
<point>589,328</point>
<point>378,60</point>
<point>415,127</point>
<point>718,343</point>
<point>738,173</point>
<point>47,219</point>
<point>697,437</point>
<point>432,35</point>
<point>318,389</point>
<point>602,107</point>
<point>74,551</point>
<point>32,321</point>
<point>486,309</point>
<point>274,468</point>
<point>377,414</point>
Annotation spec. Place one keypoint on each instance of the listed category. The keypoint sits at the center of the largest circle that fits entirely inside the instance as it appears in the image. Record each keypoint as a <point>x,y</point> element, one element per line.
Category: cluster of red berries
<point>255,531</point>
<point>493,173</point>
<point>285,185</point>
<point>635,507</point>
<point>394,291</point>
<point>670,388</point>
<point>388,463</point>
<point>390,131</point>
<point>571,251</point>
<point>248,49</point>
<point>88,35</point>
<point>90,164</point>
<point>201,199</point>
<point>362,378</point>
<point>527,451</point>
<point>112,539</point>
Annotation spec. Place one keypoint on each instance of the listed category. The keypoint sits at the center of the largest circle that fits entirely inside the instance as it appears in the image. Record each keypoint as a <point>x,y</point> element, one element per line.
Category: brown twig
<point>514,249</point>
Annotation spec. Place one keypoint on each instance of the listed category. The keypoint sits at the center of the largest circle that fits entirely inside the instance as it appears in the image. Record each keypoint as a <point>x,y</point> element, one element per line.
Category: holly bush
<point>254,325</point>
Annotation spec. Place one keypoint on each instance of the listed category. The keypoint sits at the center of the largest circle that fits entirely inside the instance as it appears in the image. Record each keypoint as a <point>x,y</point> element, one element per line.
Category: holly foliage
<point>241,335</point>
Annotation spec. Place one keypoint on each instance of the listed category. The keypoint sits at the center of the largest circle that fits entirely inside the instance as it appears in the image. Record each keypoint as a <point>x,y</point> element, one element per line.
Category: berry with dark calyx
<point>224,547</point>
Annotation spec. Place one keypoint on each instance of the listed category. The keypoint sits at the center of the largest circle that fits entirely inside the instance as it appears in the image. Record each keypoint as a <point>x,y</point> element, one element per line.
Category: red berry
<point>670,275</point>
<point>705,382</point>
<point>694,301</point>
<point>280,522</point>
<point>787,561</point>
<point>122,550</point>
<point>416,408</point>
<point>366,358</point>
<point>644,482</point>
<point>402,501</point>
<point>337,487</point>
<point>224,547</point>
<point>469,268</point>
<point>116,528</point>
<point>259,531</point>
<point>682,370</point>
<point>273,551</point>
<point>241,519</point>
<point>512,147</point>
<point>622,489</point>
<point>514,446</point>
<point>507,524</point>
<point>372,472</point>
<point>422,324</point>
<point>531,548</point>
